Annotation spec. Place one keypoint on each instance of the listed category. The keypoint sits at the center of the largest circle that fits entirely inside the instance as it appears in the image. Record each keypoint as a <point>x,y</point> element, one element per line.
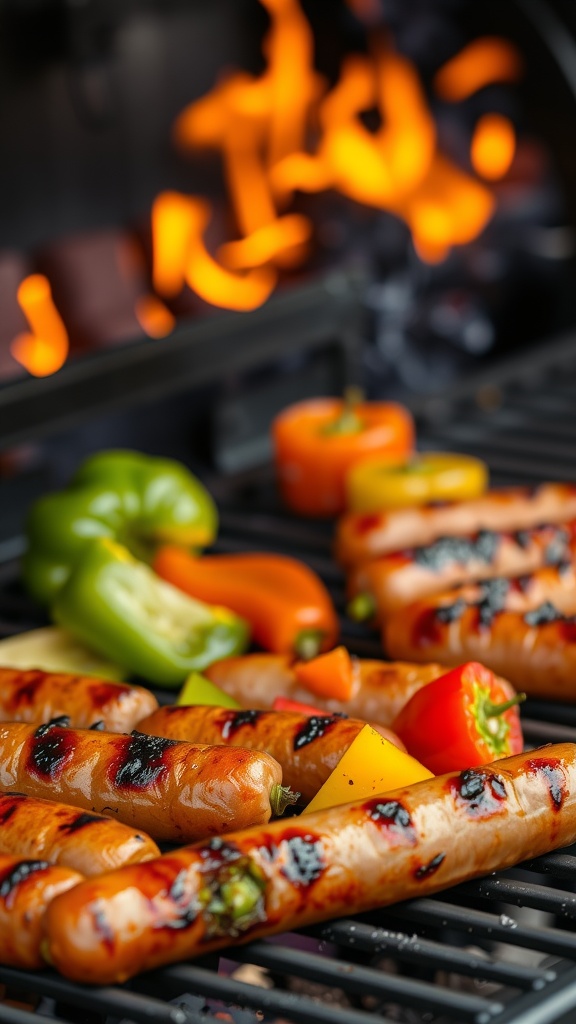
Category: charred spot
<point>80,822</point>
<point>62,722</point>
<point>187,908</point>
<point>556,550</point>
<point>523,538</point>
<point>12,878</point>
<point>425,870</point>
<point>98,726</point>
<point>7,809</point>
<point>479,792</point>
<point>427,629</point>
<point>392,816</point>
<point>50,750</point>
<point>543,614</point>
<point>217,852</point>
<point>236,719</point>
<point>459,550</point>
<point>141,760</point>
<point>493,600</point>
<point>551,770</point>
<point>312,729</point>
<point>305,859</point>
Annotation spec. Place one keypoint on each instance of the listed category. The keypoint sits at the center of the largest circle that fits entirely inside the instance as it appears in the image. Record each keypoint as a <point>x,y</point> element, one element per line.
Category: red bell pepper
<point>463,719</point>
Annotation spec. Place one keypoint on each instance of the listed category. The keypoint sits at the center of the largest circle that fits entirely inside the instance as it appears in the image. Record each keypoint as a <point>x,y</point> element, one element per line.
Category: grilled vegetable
<point>318,440</point>
<point>118,606</point>
<point>137,499</point>
<point>334,674</point>
<point>287,605</point>
<point>177,792</point>
<point>37,696</point>
<point>26,888</point>
<point>373,484</point>
<point>464,719</point>
<point>199,690</point>
<point>349,859</point>
<point>55,650</point>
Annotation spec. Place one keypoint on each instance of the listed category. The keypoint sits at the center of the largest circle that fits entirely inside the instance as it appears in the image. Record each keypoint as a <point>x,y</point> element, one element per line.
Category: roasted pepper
<point>317,441</point>
<point>374,484</point>
<point>463,719</point>
<point>288,607</point>
<point>136,499</point>
<point>121,608</point>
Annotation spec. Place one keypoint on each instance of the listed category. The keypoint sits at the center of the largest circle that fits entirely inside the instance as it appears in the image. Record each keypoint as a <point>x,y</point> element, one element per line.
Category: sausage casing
<point>307,748</point>
<point>255,680</point>
<point>397,579</point>
<point>360,537</point>
<point>26,888</point>
<point>37,696</point>
<point>343,860</point>
<point>534,649</point>
<point>176,792</point>
<point>89,843</point>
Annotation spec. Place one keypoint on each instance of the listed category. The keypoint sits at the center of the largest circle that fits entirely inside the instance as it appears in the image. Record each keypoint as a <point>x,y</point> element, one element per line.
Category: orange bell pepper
<point>334,674</point>
<point>288,607</point>
<point>317,441</point>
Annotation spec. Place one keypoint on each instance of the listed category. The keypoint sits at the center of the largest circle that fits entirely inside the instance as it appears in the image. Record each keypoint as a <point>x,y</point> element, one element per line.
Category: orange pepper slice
<point>333,674</point>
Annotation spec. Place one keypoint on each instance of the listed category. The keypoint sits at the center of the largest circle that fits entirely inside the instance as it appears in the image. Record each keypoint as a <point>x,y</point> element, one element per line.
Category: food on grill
<point>177,792</point>
<point>307,747</point>
<point>55,650</point>
<point>139,499</point>
<point>335,674</point>
<point>409,842</point>
<point>256,680</point>
<point>119,606</point>
<point>555,583</point>
<point>26,888</point>
<point>374,485</point>
<point>36,696</point>
<point>199,690</point>
<point>86,842</point>
<point>361,536</point>
<point>286,603</point>
<point>317,441</point>
<point>461,720</point>
<point>535,649</point>
<point>371,765</point>
<point>391,581</point>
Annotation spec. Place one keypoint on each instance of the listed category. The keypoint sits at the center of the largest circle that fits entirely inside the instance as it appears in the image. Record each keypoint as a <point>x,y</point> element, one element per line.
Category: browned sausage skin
<point>177,792</point>
<point>255,680</point>
<point>397,579</point>
<point>37,696</point>
<point>535,649</point>
<point>293,873</point>
<point>360,537</point>
<point>26,888</point>
<point>307,748</point>
<point>86,842</point>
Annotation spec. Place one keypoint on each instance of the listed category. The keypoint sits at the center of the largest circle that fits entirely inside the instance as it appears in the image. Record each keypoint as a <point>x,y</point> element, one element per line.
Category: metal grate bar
<point>523,894</point>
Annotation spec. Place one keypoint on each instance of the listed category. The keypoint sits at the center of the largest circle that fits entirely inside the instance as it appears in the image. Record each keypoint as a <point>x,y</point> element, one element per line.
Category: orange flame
<point>153,316</point>
<point>482,62</point>
<point>44,350</point>
<point>493,146</point>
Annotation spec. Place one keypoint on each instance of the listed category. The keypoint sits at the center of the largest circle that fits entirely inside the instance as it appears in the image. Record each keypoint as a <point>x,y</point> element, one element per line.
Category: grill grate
<point>500,950</point>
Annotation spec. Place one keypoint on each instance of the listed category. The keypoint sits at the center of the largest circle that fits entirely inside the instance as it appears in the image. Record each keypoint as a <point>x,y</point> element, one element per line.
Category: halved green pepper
<point>121,608</point>
<point>139,500</point>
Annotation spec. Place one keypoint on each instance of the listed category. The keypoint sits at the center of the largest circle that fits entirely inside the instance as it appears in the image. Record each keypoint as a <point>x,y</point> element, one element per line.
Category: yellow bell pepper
<point>374,484</point>
<point>371,765</point>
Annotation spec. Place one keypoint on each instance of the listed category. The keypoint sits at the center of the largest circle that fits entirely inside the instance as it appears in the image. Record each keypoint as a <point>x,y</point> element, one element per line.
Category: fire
<point>493,146</point>
<point>482,62</point>
<point>44,350</point>
<point>154,317</point>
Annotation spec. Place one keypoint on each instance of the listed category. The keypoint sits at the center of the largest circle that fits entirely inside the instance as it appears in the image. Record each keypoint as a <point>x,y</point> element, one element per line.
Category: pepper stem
<point>308,643</point>
<point>348,422</point>
<point>491,710</point>
<point>281,797</point>
<point>361,608</point>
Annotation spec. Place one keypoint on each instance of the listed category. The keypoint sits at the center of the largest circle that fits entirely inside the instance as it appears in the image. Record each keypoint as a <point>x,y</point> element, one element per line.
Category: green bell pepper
<point>118,606</point>
<point>139,500</point>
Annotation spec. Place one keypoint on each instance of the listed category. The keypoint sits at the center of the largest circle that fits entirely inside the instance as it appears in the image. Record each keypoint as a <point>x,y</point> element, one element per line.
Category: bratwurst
<point>346,859</point>
<point>26,888</point>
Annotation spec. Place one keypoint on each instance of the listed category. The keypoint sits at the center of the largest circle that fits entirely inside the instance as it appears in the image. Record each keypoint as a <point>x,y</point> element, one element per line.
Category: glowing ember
<point>493,146</point>
<point>482,62</point>
<point>154,317</point>
<point>44,350</point>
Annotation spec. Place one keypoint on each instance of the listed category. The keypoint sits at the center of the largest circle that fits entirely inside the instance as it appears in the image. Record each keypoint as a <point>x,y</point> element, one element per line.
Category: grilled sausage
<point>26,888</point>
<point>347,859</point>
<point>36,696</point>
<point>255,680</point>
<point>554,583</point>
<point>400,578</point>
<point>176,792</point>
<point>535,649</point>
<point>60,834</point>
<point>307,748</point>
<point>360,537</point>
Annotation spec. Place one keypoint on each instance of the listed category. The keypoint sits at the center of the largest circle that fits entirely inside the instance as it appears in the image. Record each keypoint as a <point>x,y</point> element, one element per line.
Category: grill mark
<point>50,750</point>
<point>394,819</point>
<point>305,862</point>
<point>551,770</point>
<point>237,719</point>
<point>101,693</point>
<point>427,628</point>
<point>312,729</point>
<point>13,876</point>
<point>25,693</point>
<point>80,822</point>
<point>460,550</point>
<point>480,794</point>
<point>140,761</point>
<point>425,870</point>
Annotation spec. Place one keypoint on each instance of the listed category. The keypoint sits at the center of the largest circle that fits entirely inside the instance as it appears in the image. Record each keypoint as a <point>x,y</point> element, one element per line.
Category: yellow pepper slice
<point>371,765</point>
<point>374,484</point>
